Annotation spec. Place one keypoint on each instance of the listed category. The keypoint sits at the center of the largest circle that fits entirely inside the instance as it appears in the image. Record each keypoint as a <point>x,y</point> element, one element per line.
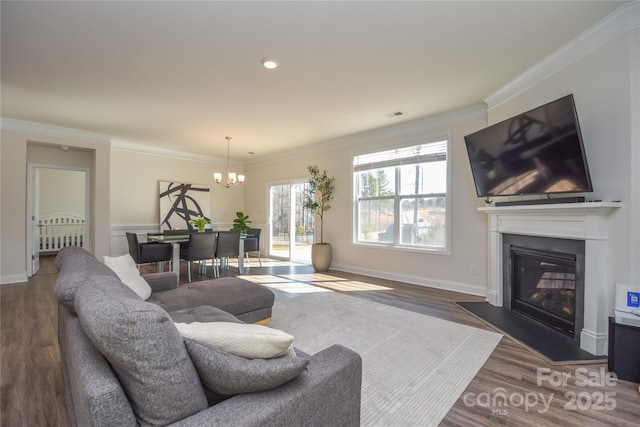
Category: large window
<point>401,196</point>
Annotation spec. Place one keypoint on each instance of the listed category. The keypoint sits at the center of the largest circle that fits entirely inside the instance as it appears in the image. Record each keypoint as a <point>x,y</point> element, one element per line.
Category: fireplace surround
<point>584,222</point>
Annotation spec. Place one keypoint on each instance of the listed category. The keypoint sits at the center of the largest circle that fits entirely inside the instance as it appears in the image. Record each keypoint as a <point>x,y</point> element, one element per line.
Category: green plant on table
<point>200,222</point>
<point>241,222</point>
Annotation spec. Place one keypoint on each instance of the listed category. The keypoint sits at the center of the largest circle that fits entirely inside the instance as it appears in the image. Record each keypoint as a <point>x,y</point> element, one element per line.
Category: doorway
<point>57,196</point>
<point>291,227</point>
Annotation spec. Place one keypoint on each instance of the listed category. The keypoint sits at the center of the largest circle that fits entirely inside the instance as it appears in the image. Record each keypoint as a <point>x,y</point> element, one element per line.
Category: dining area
<point>199,249</point>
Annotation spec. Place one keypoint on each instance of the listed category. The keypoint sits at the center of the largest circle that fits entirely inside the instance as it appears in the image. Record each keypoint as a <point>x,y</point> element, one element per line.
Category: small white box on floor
<point>623,318</point>
<point>627,297</point>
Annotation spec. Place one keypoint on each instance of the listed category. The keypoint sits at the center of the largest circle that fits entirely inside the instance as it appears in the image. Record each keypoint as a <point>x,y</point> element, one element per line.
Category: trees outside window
<point>401,196</point>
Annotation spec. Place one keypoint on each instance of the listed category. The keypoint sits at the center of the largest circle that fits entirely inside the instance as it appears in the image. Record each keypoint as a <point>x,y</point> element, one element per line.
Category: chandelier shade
<point>232,177</point>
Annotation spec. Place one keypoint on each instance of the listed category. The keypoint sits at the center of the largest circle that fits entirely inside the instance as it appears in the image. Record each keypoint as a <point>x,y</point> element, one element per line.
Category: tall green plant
<point>318,196</point>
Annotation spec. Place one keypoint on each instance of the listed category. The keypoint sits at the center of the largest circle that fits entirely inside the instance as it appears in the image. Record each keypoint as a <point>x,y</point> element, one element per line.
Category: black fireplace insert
<point>543,286</point>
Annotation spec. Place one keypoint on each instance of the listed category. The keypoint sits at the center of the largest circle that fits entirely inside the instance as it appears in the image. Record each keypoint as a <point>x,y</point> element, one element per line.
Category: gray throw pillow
<point>224,373</point>
<point>146,352</point>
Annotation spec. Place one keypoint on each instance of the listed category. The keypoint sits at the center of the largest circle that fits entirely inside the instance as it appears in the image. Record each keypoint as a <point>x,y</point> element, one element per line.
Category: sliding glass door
<point>291,226</point>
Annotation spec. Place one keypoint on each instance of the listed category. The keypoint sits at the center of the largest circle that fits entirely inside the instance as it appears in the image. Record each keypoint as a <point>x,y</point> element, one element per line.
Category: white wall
<point>61,191</point>
<point>468,237</point>
<point>135,178</point>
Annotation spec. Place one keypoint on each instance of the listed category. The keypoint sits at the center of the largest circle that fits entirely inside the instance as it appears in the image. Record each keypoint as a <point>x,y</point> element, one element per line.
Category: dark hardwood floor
<point>32,390</point>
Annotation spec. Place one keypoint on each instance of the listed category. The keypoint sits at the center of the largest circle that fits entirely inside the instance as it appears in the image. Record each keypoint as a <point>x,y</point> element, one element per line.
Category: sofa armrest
<point>161,282</point>
<point>94,395</point>
<point>326,394</point>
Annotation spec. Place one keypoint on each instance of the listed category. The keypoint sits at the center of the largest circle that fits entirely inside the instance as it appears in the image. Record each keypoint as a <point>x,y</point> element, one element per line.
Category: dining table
<point>176,239</point>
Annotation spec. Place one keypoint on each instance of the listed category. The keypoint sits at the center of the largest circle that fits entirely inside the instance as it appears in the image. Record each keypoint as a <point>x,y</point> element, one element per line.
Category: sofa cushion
<point>231,294</point>
<point>203,313</point>
<point>145,350</point>
<point>251,341</point>
<point>226,374</point>
<point>127,270</point>
<point>75,266</point>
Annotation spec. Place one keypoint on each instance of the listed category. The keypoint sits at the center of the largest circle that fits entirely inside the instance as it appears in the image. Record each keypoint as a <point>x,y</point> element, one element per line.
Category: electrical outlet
<point>473,269</point>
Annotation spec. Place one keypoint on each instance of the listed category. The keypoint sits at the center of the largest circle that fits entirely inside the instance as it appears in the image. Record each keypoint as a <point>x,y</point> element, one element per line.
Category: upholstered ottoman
<point>246,300</point>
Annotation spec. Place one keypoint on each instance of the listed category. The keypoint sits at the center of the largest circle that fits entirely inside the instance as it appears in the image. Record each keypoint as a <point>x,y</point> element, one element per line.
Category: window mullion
<point>396,208</point>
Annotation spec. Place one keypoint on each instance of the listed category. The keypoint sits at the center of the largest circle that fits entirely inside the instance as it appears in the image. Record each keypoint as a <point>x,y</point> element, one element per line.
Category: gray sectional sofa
<point>126,364</point>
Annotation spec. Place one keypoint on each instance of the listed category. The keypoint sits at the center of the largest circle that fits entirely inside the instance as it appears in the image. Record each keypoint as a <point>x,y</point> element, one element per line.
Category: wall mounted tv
<point>537,152</point>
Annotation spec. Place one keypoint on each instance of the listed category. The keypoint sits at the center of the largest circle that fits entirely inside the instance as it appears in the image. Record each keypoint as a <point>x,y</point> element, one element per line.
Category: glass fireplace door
<point>544,287</point>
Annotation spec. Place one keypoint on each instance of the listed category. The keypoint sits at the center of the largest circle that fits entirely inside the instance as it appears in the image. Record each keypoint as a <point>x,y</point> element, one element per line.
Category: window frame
<point>397,198</point>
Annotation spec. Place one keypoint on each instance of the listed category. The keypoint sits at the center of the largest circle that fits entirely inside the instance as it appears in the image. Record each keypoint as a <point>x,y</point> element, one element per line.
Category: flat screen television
<point>537,152</point>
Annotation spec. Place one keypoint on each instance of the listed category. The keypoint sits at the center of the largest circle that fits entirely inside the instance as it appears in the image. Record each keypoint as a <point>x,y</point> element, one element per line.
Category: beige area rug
<point>415,367</point>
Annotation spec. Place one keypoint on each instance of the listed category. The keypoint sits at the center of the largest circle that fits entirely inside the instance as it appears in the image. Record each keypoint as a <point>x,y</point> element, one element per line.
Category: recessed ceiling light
<point>269,64</point>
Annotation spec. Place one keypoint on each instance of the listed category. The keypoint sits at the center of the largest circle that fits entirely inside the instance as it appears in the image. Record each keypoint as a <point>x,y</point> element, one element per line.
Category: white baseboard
<point>492,298</point>
<point>14,278</point>
<point>421,281</point>
<point>593,342</point>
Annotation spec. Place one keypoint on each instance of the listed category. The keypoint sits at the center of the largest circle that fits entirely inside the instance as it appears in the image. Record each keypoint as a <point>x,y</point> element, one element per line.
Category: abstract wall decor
<point>180,203</point>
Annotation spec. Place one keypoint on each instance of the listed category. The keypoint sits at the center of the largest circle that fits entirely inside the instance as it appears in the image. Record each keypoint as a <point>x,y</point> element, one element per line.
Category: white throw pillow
<point>250,341</point>
<point>125,267</point>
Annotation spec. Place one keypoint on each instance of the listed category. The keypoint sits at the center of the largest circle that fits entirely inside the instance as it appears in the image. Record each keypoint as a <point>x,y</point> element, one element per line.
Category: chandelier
<point>232,178</point>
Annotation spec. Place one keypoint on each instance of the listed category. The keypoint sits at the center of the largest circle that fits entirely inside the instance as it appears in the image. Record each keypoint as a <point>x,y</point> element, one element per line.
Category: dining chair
<point>252,243</point>
<point>147,253</point>
<point>201,247</point>
<point>178,232</point>
<point>228,246</point>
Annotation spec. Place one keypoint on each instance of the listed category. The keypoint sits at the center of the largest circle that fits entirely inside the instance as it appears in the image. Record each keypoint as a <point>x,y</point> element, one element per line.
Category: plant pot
<point>321,256</point>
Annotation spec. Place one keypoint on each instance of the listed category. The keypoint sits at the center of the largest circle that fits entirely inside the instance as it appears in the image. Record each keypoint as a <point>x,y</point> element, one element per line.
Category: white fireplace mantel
<point>578,221</point>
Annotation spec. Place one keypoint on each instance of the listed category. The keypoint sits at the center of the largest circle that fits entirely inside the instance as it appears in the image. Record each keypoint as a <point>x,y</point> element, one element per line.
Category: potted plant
<point>241,222</point>
<point>199,222</point>
<point>317,199</point>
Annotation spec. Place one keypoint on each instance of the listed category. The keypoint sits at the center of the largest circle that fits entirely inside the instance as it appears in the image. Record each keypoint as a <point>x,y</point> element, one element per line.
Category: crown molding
<point>53,131</point>
<point>383,134</point>
<point>173,154</point>
<point>624,19</point>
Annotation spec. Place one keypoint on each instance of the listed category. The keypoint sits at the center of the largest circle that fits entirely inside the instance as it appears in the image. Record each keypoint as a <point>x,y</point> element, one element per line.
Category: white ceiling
<point>183,75</point>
